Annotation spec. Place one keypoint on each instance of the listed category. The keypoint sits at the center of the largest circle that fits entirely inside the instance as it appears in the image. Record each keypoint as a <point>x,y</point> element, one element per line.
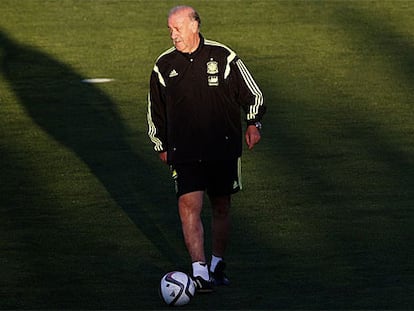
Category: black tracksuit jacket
<point>195,101</point>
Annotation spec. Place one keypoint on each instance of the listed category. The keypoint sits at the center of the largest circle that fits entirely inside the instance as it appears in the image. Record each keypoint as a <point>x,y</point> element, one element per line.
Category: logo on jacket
<point>212,71</point>
<point>212,67</point>
<point>213,81</point>
<point>173,73</point>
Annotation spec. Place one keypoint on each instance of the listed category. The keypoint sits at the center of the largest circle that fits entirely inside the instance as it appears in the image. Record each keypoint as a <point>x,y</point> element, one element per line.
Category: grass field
<point>88,214</point>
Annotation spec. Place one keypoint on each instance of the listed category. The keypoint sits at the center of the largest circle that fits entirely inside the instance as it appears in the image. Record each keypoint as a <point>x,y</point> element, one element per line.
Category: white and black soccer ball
<point>176,288</point>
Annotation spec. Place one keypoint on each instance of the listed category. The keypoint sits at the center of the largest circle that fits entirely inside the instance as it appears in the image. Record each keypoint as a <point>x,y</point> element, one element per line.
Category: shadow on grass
<point>343,239</point>
<point>346,236</point>
<point>355,191</point>
<point>374,35</point>
<point>84,119</point>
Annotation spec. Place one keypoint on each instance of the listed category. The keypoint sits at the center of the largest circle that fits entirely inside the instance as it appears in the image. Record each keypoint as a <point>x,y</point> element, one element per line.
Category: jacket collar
<point>199,48</point>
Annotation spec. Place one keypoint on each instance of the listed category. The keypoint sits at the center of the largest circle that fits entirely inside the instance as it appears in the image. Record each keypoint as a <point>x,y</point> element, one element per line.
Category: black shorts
<point>216,177</point>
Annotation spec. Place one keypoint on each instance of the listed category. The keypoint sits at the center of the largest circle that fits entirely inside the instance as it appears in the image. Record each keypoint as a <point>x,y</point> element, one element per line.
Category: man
<point>196,91</point>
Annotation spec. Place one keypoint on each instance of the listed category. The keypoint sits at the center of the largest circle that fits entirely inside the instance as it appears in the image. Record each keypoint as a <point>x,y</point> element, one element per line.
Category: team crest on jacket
<point>212,71</point>
<point>212,67</point>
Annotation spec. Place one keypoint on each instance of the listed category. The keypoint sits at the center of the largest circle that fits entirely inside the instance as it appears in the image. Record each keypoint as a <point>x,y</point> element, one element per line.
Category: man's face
<point>183,31</point>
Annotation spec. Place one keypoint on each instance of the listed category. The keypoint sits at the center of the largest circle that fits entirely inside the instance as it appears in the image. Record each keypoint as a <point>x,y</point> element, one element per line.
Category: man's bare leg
<point>221,224</point>
<point>190,206</point>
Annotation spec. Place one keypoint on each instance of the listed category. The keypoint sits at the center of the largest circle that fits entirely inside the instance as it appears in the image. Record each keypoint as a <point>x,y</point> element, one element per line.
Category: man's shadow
<point>84,119</point>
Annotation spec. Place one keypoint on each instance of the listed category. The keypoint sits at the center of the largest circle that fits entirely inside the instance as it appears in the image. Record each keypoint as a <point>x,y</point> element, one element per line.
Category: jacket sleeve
<point>248,93</point>
<point>156,115</point>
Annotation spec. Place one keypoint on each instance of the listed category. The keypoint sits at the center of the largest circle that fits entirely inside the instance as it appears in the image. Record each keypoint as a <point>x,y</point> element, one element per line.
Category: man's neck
<point>195,45</point>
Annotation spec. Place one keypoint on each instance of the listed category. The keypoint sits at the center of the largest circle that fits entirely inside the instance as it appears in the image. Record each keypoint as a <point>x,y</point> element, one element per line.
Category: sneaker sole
<point>204,291</point>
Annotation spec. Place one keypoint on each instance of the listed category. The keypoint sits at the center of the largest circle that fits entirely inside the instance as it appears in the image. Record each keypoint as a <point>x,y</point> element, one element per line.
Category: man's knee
<point>220,205</point>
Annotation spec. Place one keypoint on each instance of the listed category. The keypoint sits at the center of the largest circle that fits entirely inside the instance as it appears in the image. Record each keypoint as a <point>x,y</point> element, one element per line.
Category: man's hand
<point>163,156</point>
<point>252,136</point>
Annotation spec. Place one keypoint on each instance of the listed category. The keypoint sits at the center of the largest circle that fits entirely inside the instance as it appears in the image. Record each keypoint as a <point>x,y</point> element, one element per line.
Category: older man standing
<point>198,89</point>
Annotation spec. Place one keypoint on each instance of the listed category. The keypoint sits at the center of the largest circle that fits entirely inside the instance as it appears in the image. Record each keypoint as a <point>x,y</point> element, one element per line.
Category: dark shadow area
<point>375,35</point>
<point>84,119</point>
<point>358,194</point>
<point>360,239</point>
<point>356,248</point>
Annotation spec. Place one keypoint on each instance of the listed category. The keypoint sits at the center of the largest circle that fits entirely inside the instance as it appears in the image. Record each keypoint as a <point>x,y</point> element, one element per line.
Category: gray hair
<point>193,15</point>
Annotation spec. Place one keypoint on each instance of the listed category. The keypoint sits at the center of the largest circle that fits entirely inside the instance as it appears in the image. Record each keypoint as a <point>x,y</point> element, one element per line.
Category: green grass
<point>87,212</point>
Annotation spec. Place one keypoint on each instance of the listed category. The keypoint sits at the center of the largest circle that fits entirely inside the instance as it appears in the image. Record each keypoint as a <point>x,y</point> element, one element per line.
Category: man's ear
<point>194,26</point>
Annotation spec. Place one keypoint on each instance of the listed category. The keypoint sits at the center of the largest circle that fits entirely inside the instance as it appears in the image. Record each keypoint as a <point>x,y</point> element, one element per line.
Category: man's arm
<point>251,99</point>
<point>156,114</point>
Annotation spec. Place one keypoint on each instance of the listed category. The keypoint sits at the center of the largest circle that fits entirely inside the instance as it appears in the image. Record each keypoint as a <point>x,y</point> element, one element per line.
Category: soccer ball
<point>176,288</point>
